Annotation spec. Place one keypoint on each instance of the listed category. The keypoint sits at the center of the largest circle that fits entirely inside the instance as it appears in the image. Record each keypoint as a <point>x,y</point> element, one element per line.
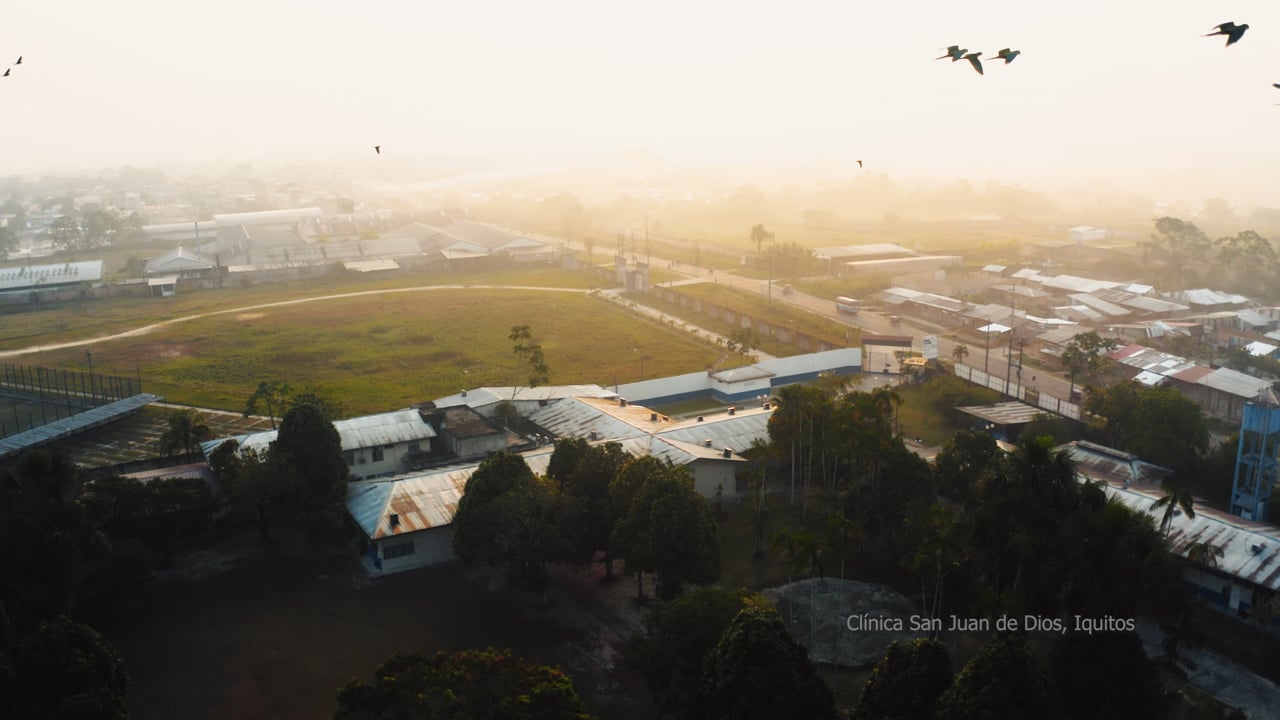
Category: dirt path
<point>245,308</point>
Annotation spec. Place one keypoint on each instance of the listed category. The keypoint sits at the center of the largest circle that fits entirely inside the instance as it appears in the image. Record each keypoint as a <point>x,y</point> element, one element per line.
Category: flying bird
<point>859,163</point>
<point>19,60</point>
<point>955,52</point>
<point>1275,85</point>
<point>6,72</point>
<point>377,149</point>
<point>1007,55</point>
<point>974,61</point>
<point>1233,32</point>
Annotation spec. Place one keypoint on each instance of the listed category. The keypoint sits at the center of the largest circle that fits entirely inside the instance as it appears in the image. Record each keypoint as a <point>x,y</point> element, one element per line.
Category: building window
<point>377,454</point>
<point>391,552</point>
<point>350,457</point>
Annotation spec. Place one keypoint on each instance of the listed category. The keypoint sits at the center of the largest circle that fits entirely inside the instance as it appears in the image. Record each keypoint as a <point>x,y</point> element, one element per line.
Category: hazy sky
<point>1125,90</point>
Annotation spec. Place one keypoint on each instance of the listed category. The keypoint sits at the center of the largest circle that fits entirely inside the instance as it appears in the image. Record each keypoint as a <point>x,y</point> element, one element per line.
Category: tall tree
<point>589,486</point>
<point>907,682</point>
<point>468,685</point>
<point>530,354</point>
<point>962,461</point>
<point>273,396</point>
<point>679,635</point>
<point>1085,354</point>
<point>186,430</point>
<point>266,488</point>
<point>1002,681</point>
<point>760,236</point>
<point>508,517</point>
<point>667,528</point>
<point>1250,260</point>
<point>1106,676</point>
<point>311,444</point>
<point>757,670</point>
<point>1177,244</point>
<point>67,670</point>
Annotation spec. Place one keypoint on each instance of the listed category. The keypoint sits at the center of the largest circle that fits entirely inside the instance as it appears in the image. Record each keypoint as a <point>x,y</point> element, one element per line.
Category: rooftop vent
<point>1255,549</point>
<point>622,402</point>
<point>732,409</point>
<point>708,442</point>
<point>593,435</point>
<point>395,520</point>
<point>699,418</point>
<point>653,417</point>
<point>728,453</point>
<point>464,393</point>
<point>766,406</point>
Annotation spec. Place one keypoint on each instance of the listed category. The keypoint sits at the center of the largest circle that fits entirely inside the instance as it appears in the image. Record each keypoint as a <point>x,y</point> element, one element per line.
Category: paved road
<point>995,359</point>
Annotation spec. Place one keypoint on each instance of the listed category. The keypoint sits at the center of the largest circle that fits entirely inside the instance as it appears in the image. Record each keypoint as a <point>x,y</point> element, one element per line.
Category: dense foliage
<point>469,685</point>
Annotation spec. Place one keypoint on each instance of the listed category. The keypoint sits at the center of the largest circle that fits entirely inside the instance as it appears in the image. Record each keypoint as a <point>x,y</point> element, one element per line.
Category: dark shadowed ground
<point>277,633</point>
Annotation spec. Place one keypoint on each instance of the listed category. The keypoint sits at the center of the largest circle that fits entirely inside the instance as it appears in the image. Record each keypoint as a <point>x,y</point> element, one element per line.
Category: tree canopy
<point>1002,681</point>
<point>679,636</point>
<point>907,682</point>
<point>469,685</point>
<point>758,671</point>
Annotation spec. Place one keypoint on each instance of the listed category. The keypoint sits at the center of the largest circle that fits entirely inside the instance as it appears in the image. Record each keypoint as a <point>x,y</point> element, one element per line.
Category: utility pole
<point>93,395</point>
<point>986,353</point>
<point>1013,329</point>
<point>648,256</point>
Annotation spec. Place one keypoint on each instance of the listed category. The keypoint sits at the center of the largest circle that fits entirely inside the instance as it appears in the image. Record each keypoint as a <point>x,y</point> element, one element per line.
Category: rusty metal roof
<point>419,502</point>
<point>1250,550</point>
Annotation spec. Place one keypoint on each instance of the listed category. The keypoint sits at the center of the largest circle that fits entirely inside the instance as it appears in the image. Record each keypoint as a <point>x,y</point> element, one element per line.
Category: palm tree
<point>1174,498</point>
<point>959,353</point>
<point>187,429</point>
<point>1204,555</point>
<point>759,235</point>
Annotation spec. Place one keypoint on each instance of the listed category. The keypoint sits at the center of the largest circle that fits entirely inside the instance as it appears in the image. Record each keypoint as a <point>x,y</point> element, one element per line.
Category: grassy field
<point>389,350</point>
<point>836,334</point>
<point>62,322</point>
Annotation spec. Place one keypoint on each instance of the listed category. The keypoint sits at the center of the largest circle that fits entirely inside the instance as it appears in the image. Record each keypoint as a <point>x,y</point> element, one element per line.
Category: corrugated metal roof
<point>1100,305</point>
<point>1250,550</point>
<point>742,374</point>
<point>1150,379</point>
<point>579,417</point>
<point>1138,289</point>
<point>1153,304</point>
<point>995,268</point>
<point>401,426</point>
<point>839,251</point>
<point>48,275</point>
<point>68,426</point>
<point>421,501</point>
<point>737,431</point>
<point>485,396</point>
<point>1254,318</point>
<point>1192,374</point>
<point>1261,349</point>
<point>929,299</point>
<point>1145,358</point>
<point>1098,462</point>
<point>1029,274</point>
<point>1005,413</point>
<point>1237,383</point>
<point>1205,296</point>
<point>1077,284</point>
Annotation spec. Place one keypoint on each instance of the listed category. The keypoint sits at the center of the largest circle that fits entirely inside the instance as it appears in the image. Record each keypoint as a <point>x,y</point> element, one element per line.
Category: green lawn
<point>25,327</point>
<point>834,333</point>
<point>388,350</point>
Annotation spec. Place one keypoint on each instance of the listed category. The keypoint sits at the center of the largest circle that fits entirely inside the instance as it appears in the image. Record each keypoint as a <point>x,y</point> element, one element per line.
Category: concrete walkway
<point>615,294</point>
<point>1257,696</point>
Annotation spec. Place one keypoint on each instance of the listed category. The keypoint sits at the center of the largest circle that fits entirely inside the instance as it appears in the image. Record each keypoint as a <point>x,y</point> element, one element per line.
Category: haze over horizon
<point>1129,95</point>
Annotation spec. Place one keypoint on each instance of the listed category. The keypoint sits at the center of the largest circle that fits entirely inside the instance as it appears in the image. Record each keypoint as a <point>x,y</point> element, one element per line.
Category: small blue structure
<point>1256,461</point>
